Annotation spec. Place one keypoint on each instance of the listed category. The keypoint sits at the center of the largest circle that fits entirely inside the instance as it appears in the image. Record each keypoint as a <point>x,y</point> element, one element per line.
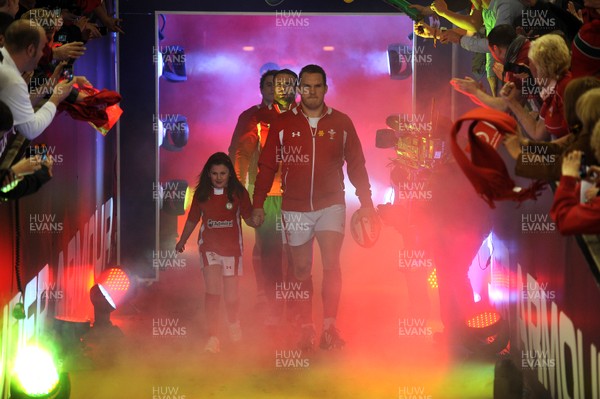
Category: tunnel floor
<point>159,352</point>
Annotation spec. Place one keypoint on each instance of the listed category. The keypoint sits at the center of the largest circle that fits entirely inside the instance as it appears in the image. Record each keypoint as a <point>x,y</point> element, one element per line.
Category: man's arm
<point>472,22</point>
<point>27,122</point>
<point>473,90</point>
<point>111,23</point>
<point>192,220</point>
<point>507,12</point>
<point>68,51</point>
<point>534,129</point>
<point>30,184</point>
<point>247,146</point>
<point>40,91</point>
<point>355,160</point>
<point>268,164</point>
<point>572,217</point>
<point>474,43</point>
<point>239,130</point>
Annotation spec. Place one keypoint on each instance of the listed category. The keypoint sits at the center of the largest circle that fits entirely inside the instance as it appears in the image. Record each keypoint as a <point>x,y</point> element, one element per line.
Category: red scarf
<point>93,107</point>
<point>486,169</point>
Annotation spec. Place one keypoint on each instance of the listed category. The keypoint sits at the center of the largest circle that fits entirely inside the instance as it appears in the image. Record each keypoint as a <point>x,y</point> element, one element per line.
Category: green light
<point>35,371</point>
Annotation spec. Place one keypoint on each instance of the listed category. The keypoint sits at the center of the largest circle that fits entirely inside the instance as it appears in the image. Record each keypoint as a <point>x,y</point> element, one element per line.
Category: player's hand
<point>250,222</point>
<point>258,216</point>
<point>367,212</point>
<point>180,246</point>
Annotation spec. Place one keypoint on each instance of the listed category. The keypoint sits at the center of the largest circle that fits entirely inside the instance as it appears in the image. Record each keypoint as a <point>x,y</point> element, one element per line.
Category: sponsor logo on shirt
<point>219,224</point>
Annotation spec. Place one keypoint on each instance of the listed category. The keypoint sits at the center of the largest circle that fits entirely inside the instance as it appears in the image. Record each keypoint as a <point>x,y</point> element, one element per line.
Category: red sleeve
<point>245,205</point>
<point>246,147</point>
<point>571,216</point>
<point>239,130</point>
<point>195,210</point>
<point>357,172</point>
<point>267,166</point>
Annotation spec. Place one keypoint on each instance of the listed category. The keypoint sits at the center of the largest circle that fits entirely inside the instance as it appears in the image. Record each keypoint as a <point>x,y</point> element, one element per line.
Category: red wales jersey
<point>571,216</point>
<point>552,111</point>
<point>240,128</point>
<point>254,141</point>
<point>312,159</point>
<point>221,229</point>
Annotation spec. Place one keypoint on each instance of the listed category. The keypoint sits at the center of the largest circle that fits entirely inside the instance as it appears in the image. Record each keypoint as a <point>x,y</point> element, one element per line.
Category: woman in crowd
<point>542,160</point>
<point>549,62</point>
<point>572,216</point>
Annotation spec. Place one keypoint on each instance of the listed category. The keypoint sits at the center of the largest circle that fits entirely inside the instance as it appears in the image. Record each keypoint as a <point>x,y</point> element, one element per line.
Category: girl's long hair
<point>204,189</point>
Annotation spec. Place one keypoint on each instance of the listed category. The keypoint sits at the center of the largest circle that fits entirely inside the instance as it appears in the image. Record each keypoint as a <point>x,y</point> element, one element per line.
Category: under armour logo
<point>295,134</point>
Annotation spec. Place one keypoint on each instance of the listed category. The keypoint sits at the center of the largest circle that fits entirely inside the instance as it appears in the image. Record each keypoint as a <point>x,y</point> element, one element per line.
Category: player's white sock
<point>328,322</point>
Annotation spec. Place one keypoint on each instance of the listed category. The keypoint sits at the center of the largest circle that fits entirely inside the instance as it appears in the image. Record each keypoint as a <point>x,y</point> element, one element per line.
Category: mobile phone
<point>38,149</point>
<point>44,154</point>
<point>103,30</point>
<point>62,38</point>
<point>583,169</point>
<point>67,73</point>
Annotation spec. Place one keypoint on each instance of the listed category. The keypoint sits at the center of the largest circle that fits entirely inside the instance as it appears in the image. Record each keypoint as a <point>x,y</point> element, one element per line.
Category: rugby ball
<point>365,229</point>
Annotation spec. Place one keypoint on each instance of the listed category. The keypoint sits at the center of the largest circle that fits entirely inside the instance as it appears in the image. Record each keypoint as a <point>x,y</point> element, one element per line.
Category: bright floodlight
<point>35,371</point>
